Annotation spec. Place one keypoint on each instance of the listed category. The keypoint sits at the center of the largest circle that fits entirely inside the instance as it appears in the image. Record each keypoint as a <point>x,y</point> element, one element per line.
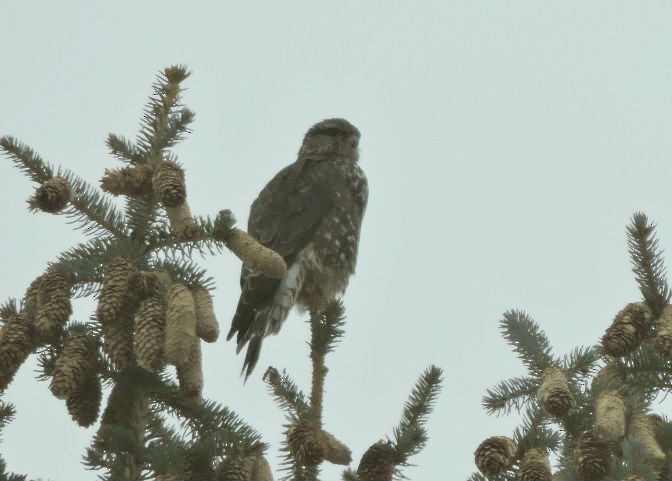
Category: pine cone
<point>53,300</point>
<point>609,417</point>
<point>207,327</point>
<point>190,374</point>
<point>592,458</point>
<point>52,196</point>
<point>253,254</point>
<point>663,339</point>
<point>642,429</point>
<point>306,443</point>
<point>608,378</point>
<point>84,404</point>
<point>118,341</point>
<point>553,393</point>
<point>495,455</point>
<point>73,365</point>
<point>335,451</point>
<point>114,293</point>
<point>150,333</point>
<point>182,222</point>
<point>628,330</point>
<point>168,182</point>
<point>30,298</point>
<point>535,466</point>
<point>16,344</point>
<point>180,324</point>
<point>235,468</point>
<point>378,462</point>
<point>246,468</point>
<point>131,181</point>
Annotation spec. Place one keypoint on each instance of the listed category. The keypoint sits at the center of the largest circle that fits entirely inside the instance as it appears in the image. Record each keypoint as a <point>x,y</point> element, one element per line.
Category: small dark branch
<point>647,262</point>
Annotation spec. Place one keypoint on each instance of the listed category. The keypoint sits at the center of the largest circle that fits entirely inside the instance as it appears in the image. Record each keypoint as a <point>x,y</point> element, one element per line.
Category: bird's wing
<point>284,217</point>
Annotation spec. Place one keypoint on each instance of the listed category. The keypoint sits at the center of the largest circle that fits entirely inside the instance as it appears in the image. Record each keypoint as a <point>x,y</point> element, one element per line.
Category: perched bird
<point>311,214</point>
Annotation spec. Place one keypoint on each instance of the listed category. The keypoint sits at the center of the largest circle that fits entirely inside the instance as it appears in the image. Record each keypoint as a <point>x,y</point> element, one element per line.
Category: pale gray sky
<point>506,145</point>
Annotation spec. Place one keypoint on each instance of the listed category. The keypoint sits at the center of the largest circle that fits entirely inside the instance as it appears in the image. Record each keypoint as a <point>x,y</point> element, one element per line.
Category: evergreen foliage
<point>153,311</point>
<point>591,408</point>
<point>6,415</point>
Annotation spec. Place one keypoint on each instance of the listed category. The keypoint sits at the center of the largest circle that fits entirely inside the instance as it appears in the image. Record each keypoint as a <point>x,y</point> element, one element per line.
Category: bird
<point>311,214</point>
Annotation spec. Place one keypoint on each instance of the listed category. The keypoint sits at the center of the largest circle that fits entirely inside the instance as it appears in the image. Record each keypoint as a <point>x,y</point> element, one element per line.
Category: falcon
<point>311,214</point>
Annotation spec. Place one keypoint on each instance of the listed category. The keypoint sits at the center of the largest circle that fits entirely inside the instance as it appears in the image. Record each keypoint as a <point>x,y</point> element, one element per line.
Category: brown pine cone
<point>495,455</point>
<point>168,182</point>
<point>378,462</point>
<point>150,333</point>
<point>114,294</point>
<point>663,339</point>
<point>52,196</point>
<point>180,324</point>
<point>73,365</point>
<point>628,330</point>
<point>16,344</point>
<point>535,466</point>
<point>609,417</point>
<point>306,443</point>
<point>118,341</point>
<point>244,468</point>
<point>190,374</point>
<point>53,300</point>
<point>553,393</point>
<point>207,327</point>
<point>132,181</point>
<point>592,458</point>
<point>84,404</point>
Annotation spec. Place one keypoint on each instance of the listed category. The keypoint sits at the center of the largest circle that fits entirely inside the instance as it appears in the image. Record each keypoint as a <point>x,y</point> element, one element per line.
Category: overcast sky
<point>506,144</point>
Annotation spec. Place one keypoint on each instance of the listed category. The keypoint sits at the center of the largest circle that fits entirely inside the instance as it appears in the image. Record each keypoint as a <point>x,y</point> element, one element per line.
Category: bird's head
<point>332,136</point>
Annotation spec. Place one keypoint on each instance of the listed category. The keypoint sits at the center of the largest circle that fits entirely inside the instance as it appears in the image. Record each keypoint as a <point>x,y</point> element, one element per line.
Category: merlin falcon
<point>311,214</point>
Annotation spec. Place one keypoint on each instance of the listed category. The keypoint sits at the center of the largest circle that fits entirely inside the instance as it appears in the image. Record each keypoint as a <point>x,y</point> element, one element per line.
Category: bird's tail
<point>269,319</point>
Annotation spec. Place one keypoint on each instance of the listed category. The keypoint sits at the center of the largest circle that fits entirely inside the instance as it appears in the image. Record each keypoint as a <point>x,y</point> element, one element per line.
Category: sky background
<point>507,145</point>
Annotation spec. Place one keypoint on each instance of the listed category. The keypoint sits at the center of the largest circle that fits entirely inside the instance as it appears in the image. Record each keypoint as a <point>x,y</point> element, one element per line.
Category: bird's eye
<point>354,142</point>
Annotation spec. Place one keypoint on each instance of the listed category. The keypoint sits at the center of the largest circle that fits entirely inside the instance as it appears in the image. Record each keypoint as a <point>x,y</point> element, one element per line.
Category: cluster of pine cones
<point>146,320</point>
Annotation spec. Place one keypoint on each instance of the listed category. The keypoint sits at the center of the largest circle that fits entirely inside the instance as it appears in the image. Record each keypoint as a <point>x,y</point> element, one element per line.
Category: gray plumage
<point>311,214</point>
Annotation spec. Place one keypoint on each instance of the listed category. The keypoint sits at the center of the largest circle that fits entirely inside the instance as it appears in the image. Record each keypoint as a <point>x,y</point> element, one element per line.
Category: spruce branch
<point>528,341</point>
<point>410,435</point>
<point>580,362</point>
<point>8,309</point>
<point>205,417</point>
<point>141,212</point>
<point>286,392</point>
<point>161,128</point>
<point>123,149</point>
<point>7,413</point>
<point>26,159</point>
<point>184,271</point>
<point>160,238</point>
<point>533,431</point>
<point>85,262</point>
<point>88,208</point>
<point>510,394</point>
<point>647,261</point>
<point>93,211</point>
